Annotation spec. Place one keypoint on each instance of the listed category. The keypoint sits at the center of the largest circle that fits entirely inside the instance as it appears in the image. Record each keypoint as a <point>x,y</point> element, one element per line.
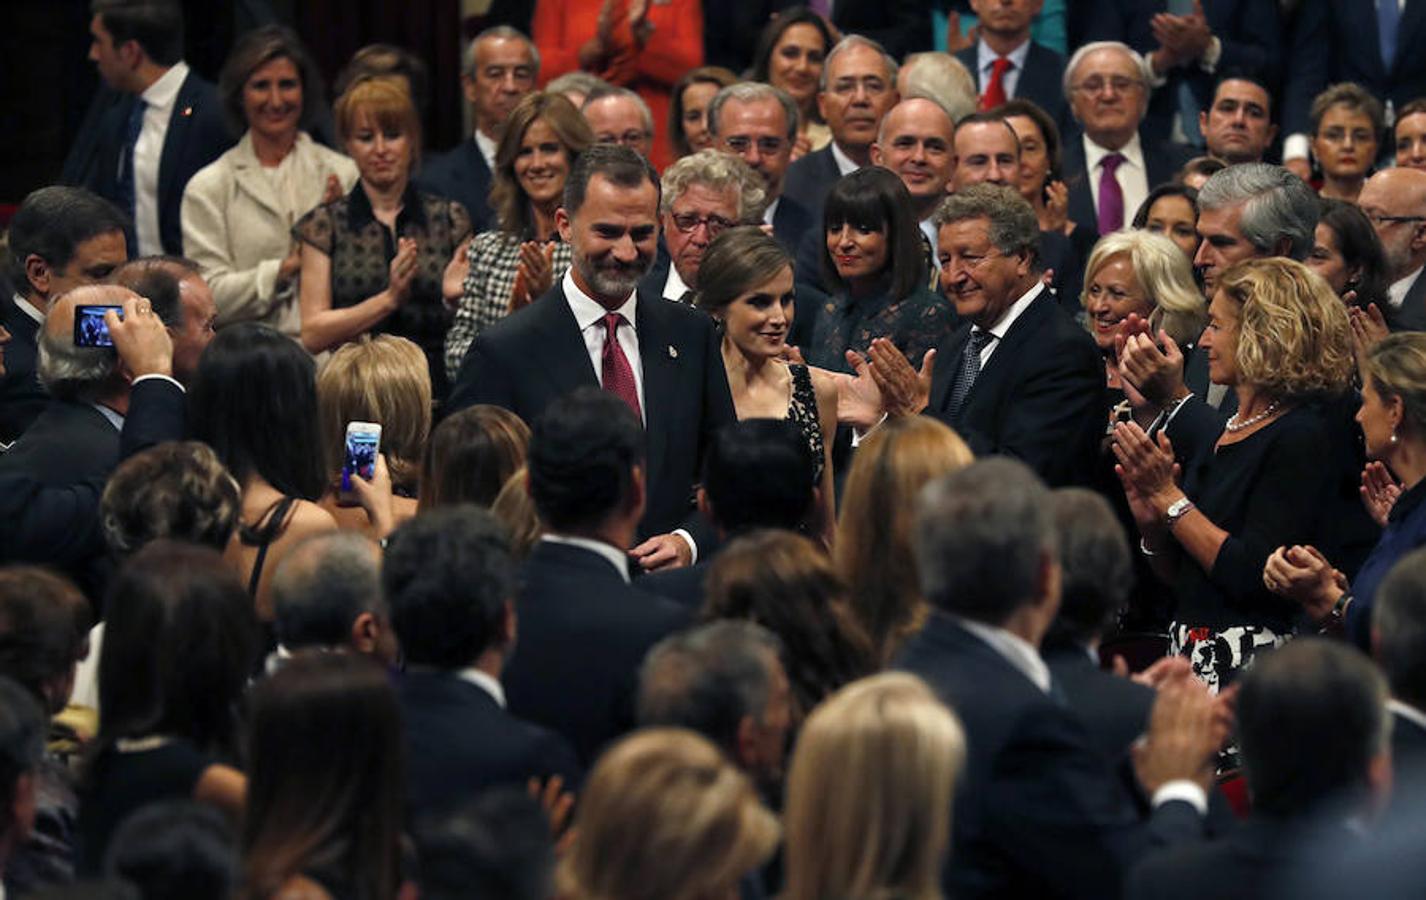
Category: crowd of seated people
<point>844,450</point>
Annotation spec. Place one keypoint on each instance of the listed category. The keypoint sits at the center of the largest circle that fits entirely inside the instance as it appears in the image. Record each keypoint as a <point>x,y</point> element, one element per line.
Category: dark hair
<point>320,587</point>
<point>174,849</point>
<point>254,401</point>
<point>758,474</point>
<point>157,25</point>
<point>701,75</point>
<point>1049,132</point>
<point>708,679</point>
<point>620,165</point>
<point>1167,189</point>
<point>158,286</point>
<point>1311,693</point>
<point>471,455</point>
<point>324,778</point>
<point>52,222</point>
<point>22,744</point>
<point>177,489</point>
<point>582,456</point>
<point>1399,623</point>
<point>1360,246</point>
<point>875,198</point>
<point>44,622</point>
<point>256,49</point>
<point>1251,76</point>
<point>179,642</point>
<point>448,577</point>
<point>1207,166</point>
<point>496,845</point>
<point>382,60</point>
<point>773,31</point>
<point>1411,108</point>
<point>1097,572</point>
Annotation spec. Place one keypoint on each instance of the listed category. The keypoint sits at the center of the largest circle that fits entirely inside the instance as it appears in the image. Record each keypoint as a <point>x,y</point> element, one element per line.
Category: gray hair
<point>1067,82</point>
<point>716,171</point>
<point>709,679</point>
<point>579,82</point>
<point>504,33</point>
<point>943,79</point>
<point>1276,205</point>
<point>322,585</point>
<point>858,40</point>
<point>68,372</point>
<point>1013,226</point>
<point>606,91</point>
<point>754,92</point>
<point>982,535</point>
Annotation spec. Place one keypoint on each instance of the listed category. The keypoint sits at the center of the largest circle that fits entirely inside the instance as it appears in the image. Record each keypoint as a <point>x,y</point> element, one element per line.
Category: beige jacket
<point>238,230</point>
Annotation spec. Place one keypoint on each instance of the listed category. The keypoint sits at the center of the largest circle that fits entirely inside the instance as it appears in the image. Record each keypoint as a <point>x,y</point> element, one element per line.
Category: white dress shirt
<point>771,210</point>
<point>487,147</point>
<point>845,164</point>
<point>620,561</point>
<point>589,315</point>
<point>1396,294</point>
<point>674,287</point>
<point>985,61</point>
<point>483,681</point>
<point>159,102</point>
<point>29,309</point>
<point>1132,174</point>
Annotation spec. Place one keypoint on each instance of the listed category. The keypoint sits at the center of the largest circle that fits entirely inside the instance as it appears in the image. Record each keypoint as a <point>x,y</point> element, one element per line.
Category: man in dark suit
<point>1110,168</point>
<point>1038,811</point>
<point>1026,70</point>
<point>326,594</point>
<point>1315,695</point>
<point>1184,44</point>
<point>449,580</point>
<point>901,26</point>
<point>593,329</point>
<point>1237,126</point>
<point>60,238</point>
<point>502,66</point>
<point>584,629</point>
<point>168,127</point>
<point>1395,202</point>
<point>1399,644</point>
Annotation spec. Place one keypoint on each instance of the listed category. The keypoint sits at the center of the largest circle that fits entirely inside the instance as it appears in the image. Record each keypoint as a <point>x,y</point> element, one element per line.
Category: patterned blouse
<point>494,259</point>
<point>915,324</point>
<point>361,249</point>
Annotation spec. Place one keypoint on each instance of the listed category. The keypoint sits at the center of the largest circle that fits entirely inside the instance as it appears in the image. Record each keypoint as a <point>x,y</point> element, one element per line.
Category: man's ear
<point>705,506</point>
<point>1048,579</point>
<point>467,85</point>
<point>38,273</point>
<point>746,741</point>
<point>564,225</point>
<point>509,625</point>
<point>365,632</point>
<point>637,490</point>
<point>876,153</point>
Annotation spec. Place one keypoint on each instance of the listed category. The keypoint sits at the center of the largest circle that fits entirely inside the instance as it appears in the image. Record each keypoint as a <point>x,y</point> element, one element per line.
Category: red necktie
<point>995,91</point>
<point>618,374</point>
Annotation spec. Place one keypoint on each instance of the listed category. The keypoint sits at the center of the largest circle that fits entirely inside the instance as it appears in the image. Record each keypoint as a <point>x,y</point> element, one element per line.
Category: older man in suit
<point>1395,202</point>
<point>758,122</point>
<point>661,359</point>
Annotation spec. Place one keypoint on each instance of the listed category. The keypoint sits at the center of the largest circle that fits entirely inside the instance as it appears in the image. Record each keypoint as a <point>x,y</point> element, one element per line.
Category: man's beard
<point>613,279</point>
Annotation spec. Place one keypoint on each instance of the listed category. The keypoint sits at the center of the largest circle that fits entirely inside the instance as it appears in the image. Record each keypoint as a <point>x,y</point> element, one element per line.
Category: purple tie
<point>1111,197</point>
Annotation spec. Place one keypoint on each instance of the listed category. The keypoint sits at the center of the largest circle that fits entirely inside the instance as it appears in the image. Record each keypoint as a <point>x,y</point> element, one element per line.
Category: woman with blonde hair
<point>873,553</point>
<point>1279,337</point>
<point>665,815</point>
<point>386,380</point>
<point>902,749</point>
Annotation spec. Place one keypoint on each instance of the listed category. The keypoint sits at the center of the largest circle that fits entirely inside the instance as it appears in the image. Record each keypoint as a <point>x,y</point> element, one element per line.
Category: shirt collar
<point>617,559</point>
<point>487,147</point>
<point>1396,293</point>
<point>29,309</point>
<point>163,92</point>
<point>588,311</point>
<point>114,418</point>
<point>1133,153</point>
<point>483,681</point>
<point>986,57</point>
<point>845,164</point>
<point>1014,649</point>
<point>771,212</point>
<point>359,213</point>
<point>1002,328</point>
<point>675,287</point>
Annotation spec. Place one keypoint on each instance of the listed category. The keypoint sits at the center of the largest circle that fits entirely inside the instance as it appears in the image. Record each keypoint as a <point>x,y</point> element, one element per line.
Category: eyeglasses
<point>767,146</point>
<point>1119,83</point>
<point>688,222</point>
<point>1379,219</point>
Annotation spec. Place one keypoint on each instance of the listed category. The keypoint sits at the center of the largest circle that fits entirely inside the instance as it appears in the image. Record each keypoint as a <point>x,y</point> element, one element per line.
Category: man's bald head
<point>1395,202</point>
<point>78,373</point>
<point>916,142</point>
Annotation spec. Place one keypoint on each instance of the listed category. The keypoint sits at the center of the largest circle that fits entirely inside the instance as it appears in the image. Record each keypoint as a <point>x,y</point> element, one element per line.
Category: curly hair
<point>1294,340</point>
<point>176,490</point>
<point>716,171</point>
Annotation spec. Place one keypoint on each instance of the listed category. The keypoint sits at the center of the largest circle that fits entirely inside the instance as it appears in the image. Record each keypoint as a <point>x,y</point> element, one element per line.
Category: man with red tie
<point>1007,65</point>
<point>594,328</point>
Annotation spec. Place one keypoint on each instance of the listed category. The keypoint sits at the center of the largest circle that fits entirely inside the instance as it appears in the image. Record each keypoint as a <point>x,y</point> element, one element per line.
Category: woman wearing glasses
<point>1347,125</point>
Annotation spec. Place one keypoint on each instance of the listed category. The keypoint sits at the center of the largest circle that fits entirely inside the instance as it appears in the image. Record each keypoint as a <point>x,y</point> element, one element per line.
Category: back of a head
<point>982,536</point>
<point>758,474</point>
<point>448,578</point>
<point>1399,628</point>
<point>869,792</point>
<point>701,826</point>
<point>176,490</point>
<point>254,401</point>
<point>322,585</point>
<point>383,379</point>
<point>942,78</point>
<point>22,745</point>
<point>497,845</point>
<point>470,456</point>
<point>179,641</point>
<point>1277,206</point>
<point>174,850</point>
<point>156,279</point>
<point>52,222</point>
<point>1095,563</point>
<point>708,679</point>
<point>44,621</point>
<point>324,776</point>
<point>1311,718</point>
<point>583,451</point>
<point>71,372</point>
<point>157,26</point>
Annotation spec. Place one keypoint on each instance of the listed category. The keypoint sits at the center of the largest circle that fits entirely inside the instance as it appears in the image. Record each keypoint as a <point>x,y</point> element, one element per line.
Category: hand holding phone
<point>90,329</point>
<point>363,443</point>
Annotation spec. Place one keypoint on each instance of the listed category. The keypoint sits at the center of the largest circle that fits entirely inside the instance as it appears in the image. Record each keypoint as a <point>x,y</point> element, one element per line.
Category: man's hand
<point>1185,732</point>
<point>858,398</point>
<point>955,41</point>
<point>904,391</point>
<point>1157,374</point>
<point>140,340</point>
<point>663,551</point>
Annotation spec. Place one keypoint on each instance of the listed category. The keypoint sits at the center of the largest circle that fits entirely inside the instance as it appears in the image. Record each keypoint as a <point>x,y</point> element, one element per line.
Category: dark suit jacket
<point>21,397</point>
<point>1410,317</point>
<point>901,26</point>
<point>809,179</point>
<point>1041,81</point>
<point>537,354</point>
<point>461,174</point>
<point>196,136</point>
<point>683,585</point>
<point>583,636</point>
<point>459,741</point>
<point>1408,745</point>
<point>792,222</point>
<point>1113,710</point>
<point>1250,31</point>
<point>1040,398</point>
<point>1038,812</point>
<point>1162,161</point>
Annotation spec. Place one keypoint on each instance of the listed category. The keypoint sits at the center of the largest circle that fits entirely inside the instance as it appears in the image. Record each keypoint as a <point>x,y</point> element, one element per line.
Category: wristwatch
<point>1177,510</point>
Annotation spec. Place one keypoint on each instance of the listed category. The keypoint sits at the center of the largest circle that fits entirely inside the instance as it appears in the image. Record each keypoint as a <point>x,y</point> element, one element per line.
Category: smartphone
<point>90,329</point>
<point>362,444</point>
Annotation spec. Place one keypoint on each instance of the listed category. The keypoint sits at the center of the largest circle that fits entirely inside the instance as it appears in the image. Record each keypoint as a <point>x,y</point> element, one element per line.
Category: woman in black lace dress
<point>746,284</point>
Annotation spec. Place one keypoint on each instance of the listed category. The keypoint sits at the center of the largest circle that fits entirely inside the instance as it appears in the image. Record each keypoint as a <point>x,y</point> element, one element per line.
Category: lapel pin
<point>672,352</point>
<point>188,110</point>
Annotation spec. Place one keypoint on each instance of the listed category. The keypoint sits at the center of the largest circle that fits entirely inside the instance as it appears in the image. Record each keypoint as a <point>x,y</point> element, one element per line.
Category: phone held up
<point>90,329</point>
<point>363,443</point>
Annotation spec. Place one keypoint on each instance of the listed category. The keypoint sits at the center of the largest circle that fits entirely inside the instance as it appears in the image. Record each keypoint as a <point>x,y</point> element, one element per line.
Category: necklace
<point>1236,424</point>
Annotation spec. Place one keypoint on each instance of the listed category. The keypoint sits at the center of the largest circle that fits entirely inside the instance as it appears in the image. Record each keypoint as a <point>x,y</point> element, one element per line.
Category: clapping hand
<point>1156,373</point>
<point>1303,574</point>
<point>453,279</point>
<point>904,390</point>
<point>1379,491</point>
<point>1057,206</point>
<point>1368,327</point>
<point>858,397</point>
<point>403,269</point>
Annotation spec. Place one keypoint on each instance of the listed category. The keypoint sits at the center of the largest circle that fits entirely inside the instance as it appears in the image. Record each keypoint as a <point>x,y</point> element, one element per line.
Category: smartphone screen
<point>361,455</point>
<point>90,330</point>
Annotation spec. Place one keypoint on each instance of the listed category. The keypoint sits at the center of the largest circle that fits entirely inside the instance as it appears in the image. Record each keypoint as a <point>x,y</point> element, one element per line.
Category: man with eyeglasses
<point>1110,169</point>
<point>620,116</point>
<point>1395,202</point>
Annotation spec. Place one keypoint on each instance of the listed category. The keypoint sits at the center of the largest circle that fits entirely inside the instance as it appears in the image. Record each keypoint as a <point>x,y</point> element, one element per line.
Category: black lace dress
<point>802,412</point>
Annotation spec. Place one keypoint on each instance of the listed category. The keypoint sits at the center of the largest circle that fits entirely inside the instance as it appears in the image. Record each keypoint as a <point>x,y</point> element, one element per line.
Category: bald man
<point>916,142</point>
<point>1395,202</point>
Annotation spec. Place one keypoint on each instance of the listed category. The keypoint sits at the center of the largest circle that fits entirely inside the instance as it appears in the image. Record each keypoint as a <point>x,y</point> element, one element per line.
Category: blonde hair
<point>386,99</point>
<point>873,551</point>
<point>665,815</point>
<point>383,379</point>
<point>869,792</point>
<point>1165,276</point>
<point>515,509</point>
<point>1396,366</point>
<point>1293,336</point>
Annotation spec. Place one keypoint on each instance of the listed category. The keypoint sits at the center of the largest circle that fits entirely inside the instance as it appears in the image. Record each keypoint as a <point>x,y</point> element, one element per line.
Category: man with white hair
<point>939,77</point>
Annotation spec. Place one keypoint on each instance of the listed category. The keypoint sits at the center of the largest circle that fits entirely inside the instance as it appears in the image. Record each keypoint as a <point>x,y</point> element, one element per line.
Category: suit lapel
<point>247,174</point>
<point>948,363</point>
<point>174,140</point>
<point>662,360</point>
<point>1081,198</point>
<point>561,352</point>
<point>1008,348</point>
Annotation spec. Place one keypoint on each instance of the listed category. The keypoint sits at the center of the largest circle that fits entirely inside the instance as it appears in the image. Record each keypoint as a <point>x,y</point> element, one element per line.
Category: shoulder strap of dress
<point>262,534</point>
